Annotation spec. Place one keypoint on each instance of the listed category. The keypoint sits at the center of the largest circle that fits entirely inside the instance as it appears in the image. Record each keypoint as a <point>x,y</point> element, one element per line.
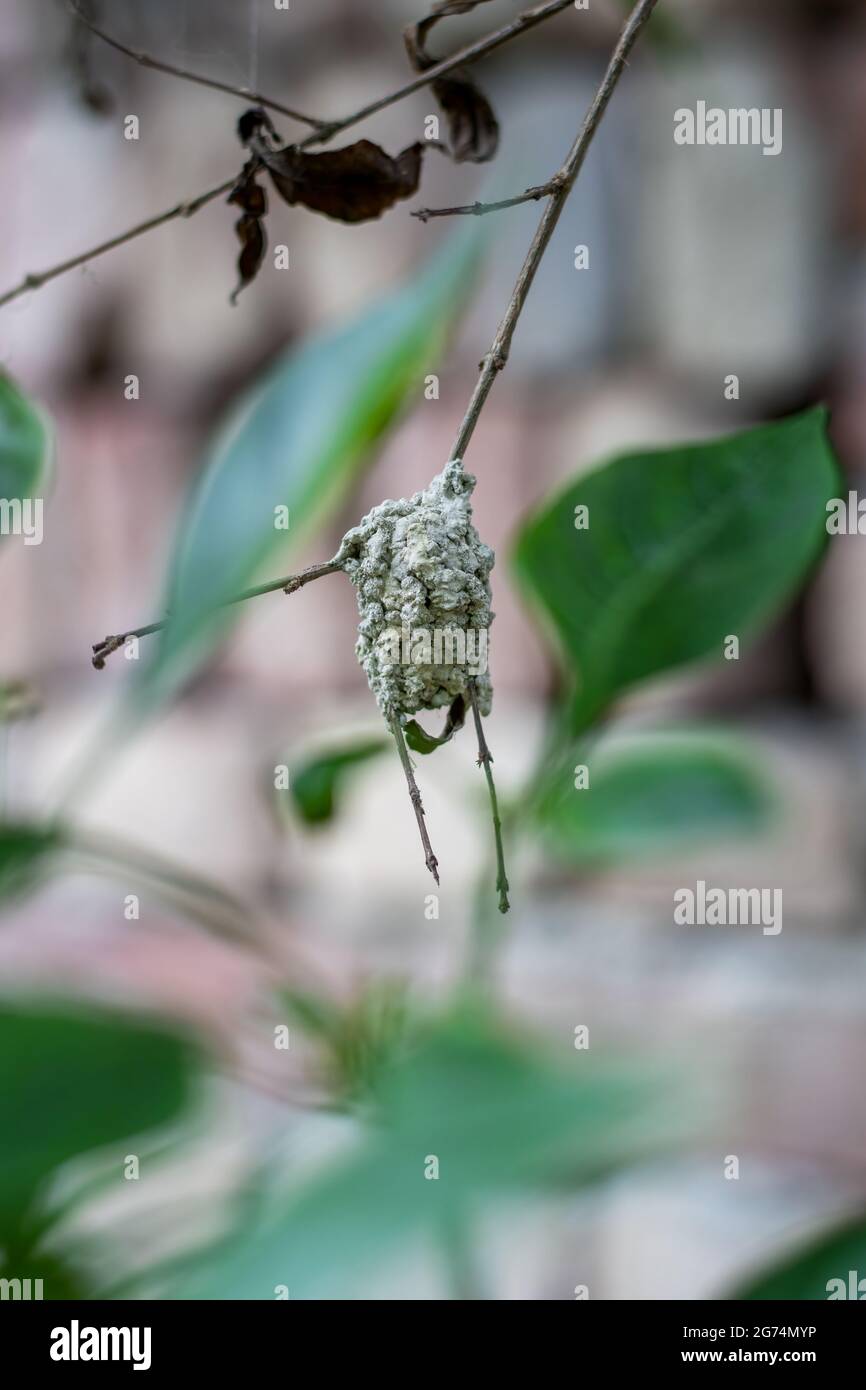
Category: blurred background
<point>703,263</point>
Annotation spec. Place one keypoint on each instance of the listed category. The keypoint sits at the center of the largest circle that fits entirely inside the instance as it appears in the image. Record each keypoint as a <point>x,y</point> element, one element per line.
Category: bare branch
<point>414,795</point>
<point>532,195</point>
<point>498,355</point>
<point>485,758</point>
<point>473,51</point>
<point>289,585</point>
<point>325,131</point>
<point>146,61</point>
<point>184,209</point>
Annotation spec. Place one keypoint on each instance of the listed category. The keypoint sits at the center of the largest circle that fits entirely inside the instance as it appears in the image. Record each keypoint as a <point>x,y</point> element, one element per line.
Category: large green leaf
<point>24,444</point>
<point>297,441</point>
<point>495,1113</point>
<point>649,793</point>
<point>684,546</point>
<point>807,1272</point>
<point>71,1082</point>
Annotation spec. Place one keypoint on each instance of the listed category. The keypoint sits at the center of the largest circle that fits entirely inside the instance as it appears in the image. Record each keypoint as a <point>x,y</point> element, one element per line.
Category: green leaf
<point>650,793</point>
<point>684,546</point>
<point>421,742</point>
<point>297,441</point>
<point>496,1113</point>
<point>806,1273</point>
<point>24,444</point>
<point>72,1082</point>
<point>26,854</point>
<point>315,782</point>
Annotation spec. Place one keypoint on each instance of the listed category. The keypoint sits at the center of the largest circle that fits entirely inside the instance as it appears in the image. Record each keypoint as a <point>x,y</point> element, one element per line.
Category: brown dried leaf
<point>252,199</point>
<point>354,184</point>
<point>472,124</point>
<point>415,35</point>
<point>473,130</point>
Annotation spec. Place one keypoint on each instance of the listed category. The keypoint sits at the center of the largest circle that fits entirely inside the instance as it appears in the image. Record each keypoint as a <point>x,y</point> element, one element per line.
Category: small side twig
<point>289,585</point>
<point>145,60</point>
<point>36,279</point>
<point>414,795</point>
<point>531,195</point>
<point>485,759</point>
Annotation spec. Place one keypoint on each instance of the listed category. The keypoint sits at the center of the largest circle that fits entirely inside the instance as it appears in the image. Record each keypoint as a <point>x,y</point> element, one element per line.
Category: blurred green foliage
<point>649,794</point>
<point>817,1269</point>
<point>25,444</point>
<point>468,1113</point>
<point>73,1080</point>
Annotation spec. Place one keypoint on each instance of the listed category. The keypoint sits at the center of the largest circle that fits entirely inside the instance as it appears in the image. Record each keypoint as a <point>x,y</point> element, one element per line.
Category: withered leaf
<point>472,124</point>
<point>415,36</point>
<point>249,195</point>
<point>421,742</point>
<point>354,184</point>
<point>473,130</point>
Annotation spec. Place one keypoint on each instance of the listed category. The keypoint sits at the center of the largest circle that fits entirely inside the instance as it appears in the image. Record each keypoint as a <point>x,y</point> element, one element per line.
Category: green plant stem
<point>485,760</point>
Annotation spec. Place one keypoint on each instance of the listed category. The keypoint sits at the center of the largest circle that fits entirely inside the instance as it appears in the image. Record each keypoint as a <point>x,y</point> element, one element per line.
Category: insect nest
<point>422,577</point>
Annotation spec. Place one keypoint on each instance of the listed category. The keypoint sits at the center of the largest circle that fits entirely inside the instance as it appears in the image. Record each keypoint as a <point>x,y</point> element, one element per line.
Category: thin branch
<point>485,758</point>
<point>146,61</point>
<point>289,585</point>
<point>34,281</point>
<point>498,355</point>
<point>473,51</point>
<point>532,195</point>
<point>324,132</point>
<point>414,795</point>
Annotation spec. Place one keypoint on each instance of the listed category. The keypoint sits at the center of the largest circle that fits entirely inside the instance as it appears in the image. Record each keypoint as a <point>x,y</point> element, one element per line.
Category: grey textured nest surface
<point>419,566</point>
